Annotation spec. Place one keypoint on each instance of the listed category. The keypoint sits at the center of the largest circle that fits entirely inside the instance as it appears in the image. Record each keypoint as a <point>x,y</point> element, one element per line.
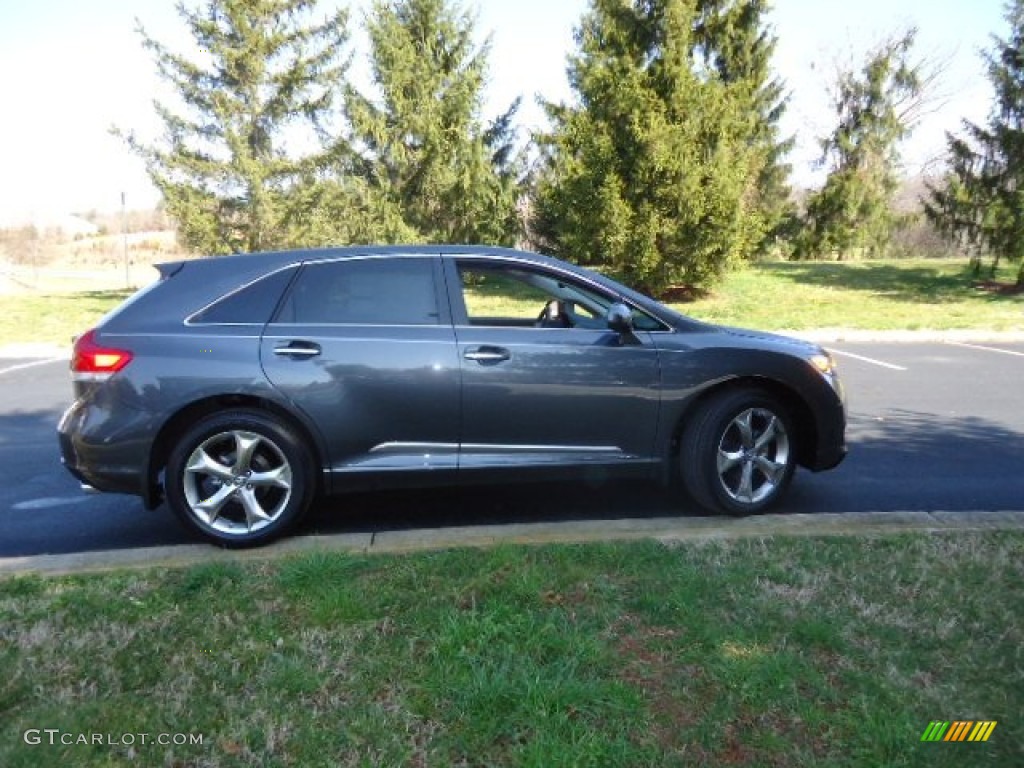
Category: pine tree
<point>266,72</point>
<point>963,209</point>
<point>981,203</point>
<point>425,158</point>
<point>647,174</point>
<point>733,39</point>
<point>852,213</point>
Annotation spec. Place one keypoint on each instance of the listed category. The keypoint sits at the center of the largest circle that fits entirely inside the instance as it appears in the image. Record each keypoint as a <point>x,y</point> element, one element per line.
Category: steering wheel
<point>554,315</point>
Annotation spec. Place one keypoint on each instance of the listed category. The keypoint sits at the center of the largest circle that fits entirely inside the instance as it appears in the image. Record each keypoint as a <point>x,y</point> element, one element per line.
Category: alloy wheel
<point>237,482</point>
<point>753,456</point>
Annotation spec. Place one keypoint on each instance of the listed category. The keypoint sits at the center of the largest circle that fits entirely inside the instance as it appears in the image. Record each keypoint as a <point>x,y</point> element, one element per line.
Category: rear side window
<point>385,291</point>
<point>252,305</point>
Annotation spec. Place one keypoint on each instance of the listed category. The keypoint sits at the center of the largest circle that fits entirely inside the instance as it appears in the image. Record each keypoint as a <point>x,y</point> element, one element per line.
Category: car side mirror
<point>620,318</point>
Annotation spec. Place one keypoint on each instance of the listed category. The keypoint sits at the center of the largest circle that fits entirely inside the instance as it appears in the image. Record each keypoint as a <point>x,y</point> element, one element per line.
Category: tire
<point>738,454</point>
<point>240,478</point>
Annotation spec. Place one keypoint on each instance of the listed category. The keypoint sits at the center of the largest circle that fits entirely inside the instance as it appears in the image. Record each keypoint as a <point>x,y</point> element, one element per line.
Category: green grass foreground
<point>920,294</point>
<point>775,652</point>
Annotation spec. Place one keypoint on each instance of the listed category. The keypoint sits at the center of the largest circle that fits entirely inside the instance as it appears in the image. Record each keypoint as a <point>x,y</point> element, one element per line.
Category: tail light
<point>93,362</point>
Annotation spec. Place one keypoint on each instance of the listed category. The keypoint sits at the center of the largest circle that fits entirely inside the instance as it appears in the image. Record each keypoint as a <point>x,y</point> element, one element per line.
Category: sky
<point>69,70</point>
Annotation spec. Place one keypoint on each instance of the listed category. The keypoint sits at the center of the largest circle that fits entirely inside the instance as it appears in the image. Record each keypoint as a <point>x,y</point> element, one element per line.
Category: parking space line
<point>33,364</point>
<point>986,349</point>
<point>870,360</point>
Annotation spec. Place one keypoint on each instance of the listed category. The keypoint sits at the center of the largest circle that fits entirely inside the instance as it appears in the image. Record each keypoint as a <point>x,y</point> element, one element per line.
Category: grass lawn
<point>54,319</point>
<point>919,294</point>
<point>777,652</point>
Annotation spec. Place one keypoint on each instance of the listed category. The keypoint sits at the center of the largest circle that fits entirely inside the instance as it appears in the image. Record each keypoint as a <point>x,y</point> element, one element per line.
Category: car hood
<point>772,340</point>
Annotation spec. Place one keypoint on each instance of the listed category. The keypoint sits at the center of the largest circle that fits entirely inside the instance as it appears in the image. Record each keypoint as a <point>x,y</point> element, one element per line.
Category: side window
<point>374,291</point>
<point>515,296</point>
<point>251,305</point>
<point>496,296</point>
<point>644,322</point>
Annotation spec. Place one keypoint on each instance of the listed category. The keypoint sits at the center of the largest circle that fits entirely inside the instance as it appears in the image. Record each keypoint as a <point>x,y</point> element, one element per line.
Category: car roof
<point>281,258</point>
<point>241,267</point>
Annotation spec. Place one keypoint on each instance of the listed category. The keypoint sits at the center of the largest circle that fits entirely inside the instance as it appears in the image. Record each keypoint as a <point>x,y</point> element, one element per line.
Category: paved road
<point>934,426</point>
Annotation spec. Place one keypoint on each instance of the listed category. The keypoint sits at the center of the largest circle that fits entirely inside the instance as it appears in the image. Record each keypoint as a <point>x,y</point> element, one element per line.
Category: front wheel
<point>738,454</point>
<point>239,478</point>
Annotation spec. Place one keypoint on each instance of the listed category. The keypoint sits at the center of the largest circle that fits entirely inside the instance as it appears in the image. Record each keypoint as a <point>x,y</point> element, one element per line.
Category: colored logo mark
<point>958,730</point>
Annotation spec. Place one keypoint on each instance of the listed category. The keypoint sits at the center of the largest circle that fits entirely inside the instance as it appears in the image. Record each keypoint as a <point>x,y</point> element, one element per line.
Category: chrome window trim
<point>446,326</point>
<point>400,447</point>
<point>369,256</point>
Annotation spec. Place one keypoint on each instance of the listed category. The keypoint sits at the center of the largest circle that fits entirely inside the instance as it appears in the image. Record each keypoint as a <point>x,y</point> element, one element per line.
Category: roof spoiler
<point>169,268</point>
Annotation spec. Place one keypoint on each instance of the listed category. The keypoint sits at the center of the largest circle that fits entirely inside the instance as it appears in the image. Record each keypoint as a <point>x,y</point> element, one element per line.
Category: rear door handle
<point>298,349</point>
<point>488,355</point>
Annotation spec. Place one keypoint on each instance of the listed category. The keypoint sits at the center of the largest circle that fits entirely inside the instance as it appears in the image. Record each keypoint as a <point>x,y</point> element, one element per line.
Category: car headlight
<point>824,362</point>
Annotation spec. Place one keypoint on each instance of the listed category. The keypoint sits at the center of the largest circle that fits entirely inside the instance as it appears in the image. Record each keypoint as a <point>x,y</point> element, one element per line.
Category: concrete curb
<point>962,336</point>
<point>665,530</point>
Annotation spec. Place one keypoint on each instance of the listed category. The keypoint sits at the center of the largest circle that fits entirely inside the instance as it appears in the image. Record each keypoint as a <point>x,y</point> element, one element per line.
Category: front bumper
<point>831,444</point>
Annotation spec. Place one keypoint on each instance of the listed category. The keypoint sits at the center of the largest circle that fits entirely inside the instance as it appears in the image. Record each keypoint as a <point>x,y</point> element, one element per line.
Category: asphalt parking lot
<point>934,426</point>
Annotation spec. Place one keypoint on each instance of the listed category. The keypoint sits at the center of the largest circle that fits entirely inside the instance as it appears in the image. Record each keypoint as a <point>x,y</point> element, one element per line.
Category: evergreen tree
<point>266,69</point>
<point>852,213</point>
<point>732,39</point>
<point>964,208</point>
<point>647,174</point>
<point>981,203</point>
<point>426,161</point>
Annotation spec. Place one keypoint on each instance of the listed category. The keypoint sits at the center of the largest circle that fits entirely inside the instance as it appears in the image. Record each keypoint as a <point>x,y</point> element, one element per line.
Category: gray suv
<point>239,388</point>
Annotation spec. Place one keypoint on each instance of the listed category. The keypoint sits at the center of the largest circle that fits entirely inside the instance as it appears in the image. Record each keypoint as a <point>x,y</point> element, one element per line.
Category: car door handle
<point>298,349</point>
<point>488,355</point>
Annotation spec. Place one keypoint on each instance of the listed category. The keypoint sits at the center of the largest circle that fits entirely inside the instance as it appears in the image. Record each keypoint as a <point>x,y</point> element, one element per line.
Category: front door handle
<point>298,349</point>
<point>488,355</point>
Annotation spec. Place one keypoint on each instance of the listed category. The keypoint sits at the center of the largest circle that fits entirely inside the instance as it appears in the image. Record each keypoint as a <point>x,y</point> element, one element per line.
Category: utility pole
<point>35,256</point>
<point>124,236</point>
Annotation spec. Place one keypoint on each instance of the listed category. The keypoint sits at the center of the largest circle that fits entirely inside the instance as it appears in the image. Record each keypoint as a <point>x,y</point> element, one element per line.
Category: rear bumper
<point>105,450</point>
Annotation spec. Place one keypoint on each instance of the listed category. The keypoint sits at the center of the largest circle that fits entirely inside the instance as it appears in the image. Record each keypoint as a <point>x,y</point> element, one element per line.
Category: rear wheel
<point>738,454</point>
<point>239,478</point>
